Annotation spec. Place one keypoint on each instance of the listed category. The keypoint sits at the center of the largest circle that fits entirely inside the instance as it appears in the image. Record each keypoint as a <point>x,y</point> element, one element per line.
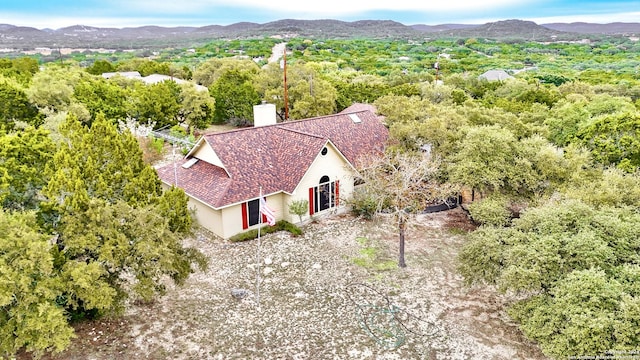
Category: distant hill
<point>442,27</point>
<point>80,36</point>
<point>85,36</point>
<point>617,28</point>
<point>506,29</point>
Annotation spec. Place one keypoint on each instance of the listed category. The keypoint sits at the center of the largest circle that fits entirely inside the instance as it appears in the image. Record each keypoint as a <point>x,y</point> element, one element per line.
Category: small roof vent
<point>355,118</point>
<point>190,163</point>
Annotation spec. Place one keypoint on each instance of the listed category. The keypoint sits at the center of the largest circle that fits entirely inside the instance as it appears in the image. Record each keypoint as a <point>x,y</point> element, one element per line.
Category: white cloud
<point>319,8</point>
<point>349,7</point>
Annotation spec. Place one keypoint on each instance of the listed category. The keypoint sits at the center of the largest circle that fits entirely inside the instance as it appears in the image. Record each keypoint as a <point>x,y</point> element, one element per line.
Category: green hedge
<point>281,225</point>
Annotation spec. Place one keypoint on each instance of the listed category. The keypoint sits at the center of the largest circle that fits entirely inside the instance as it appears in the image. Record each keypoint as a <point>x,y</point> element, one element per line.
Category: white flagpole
<point>258,251</point>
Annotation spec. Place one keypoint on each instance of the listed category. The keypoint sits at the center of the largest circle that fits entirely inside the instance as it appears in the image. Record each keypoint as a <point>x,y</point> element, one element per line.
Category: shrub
<point>281,225</point>
<point>299,207</point>
<point>151,149</point>
<point>492,210</point>
<point>364,203</point>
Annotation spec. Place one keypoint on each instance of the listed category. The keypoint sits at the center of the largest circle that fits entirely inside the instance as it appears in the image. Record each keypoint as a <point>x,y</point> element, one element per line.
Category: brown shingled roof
<point>203,181</point>
<point>354,140</point>
<point>355,107</point>
<point>275,157</point>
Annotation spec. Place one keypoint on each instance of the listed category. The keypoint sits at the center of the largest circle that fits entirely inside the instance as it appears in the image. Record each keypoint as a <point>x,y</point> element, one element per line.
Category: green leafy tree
<point>15,106</point>
<point>30,316</point>
<point>108,211</point>
<point>613,138</point>
<point>100,67</point>
<point>486,159</point>
<point>157,103</point>
<point>144,66</point>
<point>234,96</point>
<point>360,90</point>
<point>23,156</point>
<point>196,107</point>
<point>490,159</point>
<point>53,88</point>
<point>299,207</point>
<point>565,118</point>
<point>210,71</point>
<point>611,187</point>
<point>309,94</point>
<point>574,269</point>
<point>492,210</point>
<point>20,69</point>
<point>101,96</point>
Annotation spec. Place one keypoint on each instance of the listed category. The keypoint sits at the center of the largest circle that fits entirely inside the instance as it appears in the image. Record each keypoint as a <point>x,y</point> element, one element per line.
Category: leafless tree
<point>402,184</point>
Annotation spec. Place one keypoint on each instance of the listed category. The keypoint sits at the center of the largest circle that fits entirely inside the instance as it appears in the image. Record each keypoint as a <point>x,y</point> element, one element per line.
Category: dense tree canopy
<point>103,231</point>
<point>235,97</point>
<point>31,285</point>
<point>15,106</point>
<point>575,266</point>
<point>23,156</point>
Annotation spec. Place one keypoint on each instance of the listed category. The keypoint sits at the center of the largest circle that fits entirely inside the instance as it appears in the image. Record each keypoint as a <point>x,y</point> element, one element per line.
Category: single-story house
<point>313,159</point>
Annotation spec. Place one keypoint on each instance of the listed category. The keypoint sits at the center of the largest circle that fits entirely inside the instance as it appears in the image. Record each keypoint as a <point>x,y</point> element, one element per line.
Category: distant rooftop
<point>495,75</point>
<point>152,79</point>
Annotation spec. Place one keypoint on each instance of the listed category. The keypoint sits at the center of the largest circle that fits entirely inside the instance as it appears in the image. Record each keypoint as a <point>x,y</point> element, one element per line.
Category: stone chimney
<point>264,114</point>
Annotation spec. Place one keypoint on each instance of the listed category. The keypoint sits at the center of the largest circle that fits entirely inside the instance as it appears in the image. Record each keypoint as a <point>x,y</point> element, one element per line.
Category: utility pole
<point>286,92</point>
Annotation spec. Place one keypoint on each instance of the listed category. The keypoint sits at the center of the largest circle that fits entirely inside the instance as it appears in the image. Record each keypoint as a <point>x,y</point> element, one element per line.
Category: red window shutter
<point>245,216</point>
<point>311,201</point>
<point>337,193</point>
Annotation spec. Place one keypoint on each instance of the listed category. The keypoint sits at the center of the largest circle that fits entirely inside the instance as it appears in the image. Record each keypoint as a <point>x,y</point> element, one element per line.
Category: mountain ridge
<point>24,37</point>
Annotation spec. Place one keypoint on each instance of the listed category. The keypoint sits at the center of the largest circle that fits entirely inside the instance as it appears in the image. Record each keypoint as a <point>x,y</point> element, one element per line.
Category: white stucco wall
<point>231,217</point>
<point>332,165</point>
<point>207,217</point>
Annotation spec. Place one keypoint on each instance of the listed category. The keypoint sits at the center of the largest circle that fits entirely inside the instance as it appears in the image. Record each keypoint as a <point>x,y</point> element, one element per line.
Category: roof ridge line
<point>284,127</point>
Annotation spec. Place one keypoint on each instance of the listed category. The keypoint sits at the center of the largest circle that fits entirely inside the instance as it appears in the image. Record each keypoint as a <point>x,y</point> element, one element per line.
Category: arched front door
<point>324,196</point>
<point>324,193</point>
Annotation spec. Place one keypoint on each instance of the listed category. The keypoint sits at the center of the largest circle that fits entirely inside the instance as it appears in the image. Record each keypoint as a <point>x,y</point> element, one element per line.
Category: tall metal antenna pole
<point>258,259</point>
<point>175,166</point>
<point>286,92</point>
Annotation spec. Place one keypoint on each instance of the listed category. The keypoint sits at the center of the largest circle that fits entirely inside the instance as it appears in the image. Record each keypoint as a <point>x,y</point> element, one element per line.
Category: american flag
<point>268,212</point>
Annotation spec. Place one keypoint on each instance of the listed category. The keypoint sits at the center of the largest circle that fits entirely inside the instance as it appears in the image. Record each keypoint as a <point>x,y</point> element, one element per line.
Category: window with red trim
<point>251,213</point>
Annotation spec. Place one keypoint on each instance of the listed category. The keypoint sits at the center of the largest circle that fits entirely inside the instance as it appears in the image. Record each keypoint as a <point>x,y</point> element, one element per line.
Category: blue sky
<point>125,13</point>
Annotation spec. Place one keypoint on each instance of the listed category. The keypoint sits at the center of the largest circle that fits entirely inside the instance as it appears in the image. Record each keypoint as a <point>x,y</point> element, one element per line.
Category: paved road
<point>277,51</point>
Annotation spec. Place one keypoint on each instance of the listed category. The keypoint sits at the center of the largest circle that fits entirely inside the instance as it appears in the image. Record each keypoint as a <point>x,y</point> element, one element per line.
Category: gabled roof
<point>275,157</point>
<point>355,140</point>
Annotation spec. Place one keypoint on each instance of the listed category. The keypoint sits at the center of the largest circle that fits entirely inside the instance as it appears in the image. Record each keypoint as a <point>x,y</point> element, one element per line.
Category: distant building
<point>495,75</point>
<point>152,79</point>
<point>127,74</point>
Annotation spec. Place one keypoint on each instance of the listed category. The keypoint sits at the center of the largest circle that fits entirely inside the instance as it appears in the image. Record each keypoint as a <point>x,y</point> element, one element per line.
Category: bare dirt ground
<point>330,294</point>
